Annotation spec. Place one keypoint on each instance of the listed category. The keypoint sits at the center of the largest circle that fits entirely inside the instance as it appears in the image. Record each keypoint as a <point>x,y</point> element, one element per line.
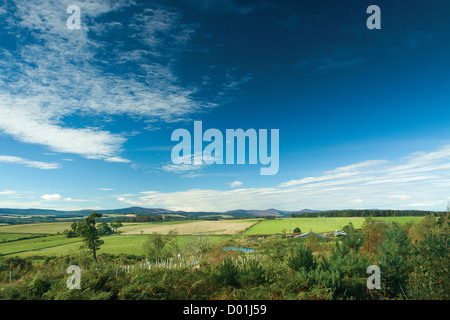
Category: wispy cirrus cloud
<point>53,75</point>
<point>8,192</point>
<point>421,180</point>
<point>359,166</point>
<point>188,164</point>
<point>29,163</point>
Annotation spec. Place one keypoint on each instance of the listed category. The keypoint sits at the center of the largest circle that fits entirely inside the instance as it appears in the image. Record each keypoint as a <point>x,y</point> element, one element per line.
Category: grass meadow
<point>33,228</point>
<point>14,236</point>
<point>115,244</point>
<point>49,241</point>
<point>273,226</point>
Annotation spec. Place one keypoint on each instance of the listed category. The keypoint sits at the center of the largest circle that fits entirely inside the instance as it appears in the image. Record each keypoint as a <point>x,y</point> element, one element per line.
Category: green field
<point>51,244</point>
<point>60,245</point>
<point>31,245</point>
<point>132,244</point>
<point>273,226</point>
<point>13,236</point>
<point>41,228</point>
<point>400,220</point>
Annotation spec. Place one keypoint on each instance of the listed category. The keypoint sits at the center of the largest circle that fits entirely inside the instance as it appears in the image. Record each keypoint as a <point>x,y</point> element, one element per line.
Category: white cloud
<point>58,197</point>
<point>180,168</point>
<point>61,73</point>
<point>29,163</point>
<point>188,168</point>
<point>308,180</point>
<point>361,165</point>
<point>399,197</point>
<point>8,192</point>
<point>117,160</point>
<point>236,184</point>
<point>52,197</point>
<point>420,178</point>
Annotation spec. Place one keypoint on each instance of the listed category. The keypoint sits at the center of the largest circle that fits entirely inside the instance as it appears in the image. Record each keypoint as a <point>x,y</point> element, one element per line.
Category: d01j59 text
<point>249,310</point>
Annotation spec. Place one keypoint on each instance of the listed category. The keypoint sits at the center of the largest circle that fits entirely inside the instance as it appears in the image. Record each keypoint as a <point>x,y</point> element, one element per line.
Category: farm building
<point>313,233</point>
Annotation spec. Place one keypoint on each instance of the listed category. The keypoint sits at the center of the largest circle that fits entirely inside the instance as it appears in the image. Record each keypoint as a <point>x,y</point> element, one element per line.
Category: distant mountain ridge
<point>267,212</point>
<point>238,213</point>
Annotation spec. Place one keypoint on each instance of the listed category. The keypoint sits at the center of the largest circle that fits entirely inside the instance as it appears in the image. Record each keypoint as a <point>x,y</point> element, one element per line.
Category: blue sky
<point>86,116</point>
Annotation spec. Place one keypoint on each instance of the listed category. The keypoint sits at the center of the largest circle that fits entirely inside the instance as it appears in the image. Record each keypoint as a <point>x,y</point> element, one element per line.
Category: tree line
<point>368,213</point>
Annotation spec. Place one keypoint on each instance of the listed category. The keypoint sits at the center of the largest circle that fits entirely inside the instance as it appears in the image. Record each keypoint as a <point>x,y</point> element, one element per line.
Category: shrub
<point>253,274</point>
<point>302,258</point>
<point>429,279</point>
<point>227,275</point>
<point>393,255</point>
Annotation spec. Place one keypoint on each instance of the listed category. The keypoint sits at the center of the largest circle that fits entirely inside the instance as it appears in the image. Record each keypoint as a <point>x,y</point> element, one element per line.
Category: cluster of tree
<point>408,271</point>
<point>143,218</point>
<point>158,246</point>
<point>367,213</point>
<point>31,219</point>
<point>91,233</point>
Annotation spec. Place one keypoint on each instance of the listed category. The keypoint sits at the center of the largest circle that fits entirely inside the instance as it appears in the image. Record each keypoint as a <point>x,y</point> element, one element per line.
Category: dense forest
<point>413,259</point>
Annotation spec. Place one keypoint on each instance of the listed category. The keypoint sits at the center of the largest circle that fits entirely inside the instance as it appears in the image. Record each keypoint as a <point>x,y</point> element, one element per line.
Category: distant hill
<point>8,215</point>
<point>268,212</point>
<point>238,213</point>
<point>44,212</point>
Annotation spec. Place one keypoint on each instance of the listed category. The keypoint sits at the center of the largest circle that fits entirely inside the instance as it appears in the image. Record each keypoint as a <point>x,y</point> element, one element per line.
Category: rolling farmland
<point>191,227</point>
<point>130,241</point>
<point>272,226</point>
<point>43,238</point>
<point>40,228</point>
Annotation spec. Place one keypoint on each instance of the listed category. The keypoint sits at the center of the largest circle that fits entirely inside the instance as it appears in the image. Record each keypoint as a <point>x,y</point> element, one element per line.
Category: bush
<point>374,232</point>
<point>227,275</point>
<point>430,279</point>
<point>302,258</point>
<point>18,263</point>
<point>253,274</point>
<point>392,258</point>
<point>71,234</point>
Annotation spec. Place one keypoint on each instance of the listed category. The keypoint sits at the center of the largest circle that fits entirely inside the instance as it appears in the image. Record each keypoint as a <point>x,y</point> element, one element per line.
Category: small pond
<point>238,249</point>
